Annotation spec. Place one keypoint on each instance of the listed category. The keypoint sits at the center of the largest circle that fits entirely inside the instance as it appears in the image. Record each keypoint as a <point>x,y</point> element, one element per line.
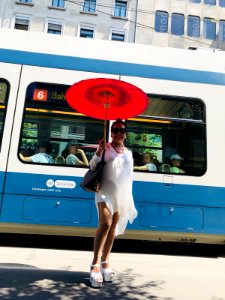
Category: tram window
<point>4,94</point>
<point>29,138</point>
<point>47,117</point>
<point>144,141</point>
<point>170,125</point>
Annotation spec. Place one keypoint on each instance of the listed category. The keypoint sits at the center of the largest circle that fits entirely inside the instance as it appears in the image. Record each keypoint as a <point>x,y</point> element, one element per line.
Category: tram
<point>185,116</point>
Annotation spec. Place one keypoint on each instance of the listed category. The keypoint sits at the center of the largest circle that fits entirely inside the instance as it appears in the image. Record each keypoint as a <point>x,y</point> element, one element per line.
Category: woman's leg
<point>105,222</point>
<point>109,240</point>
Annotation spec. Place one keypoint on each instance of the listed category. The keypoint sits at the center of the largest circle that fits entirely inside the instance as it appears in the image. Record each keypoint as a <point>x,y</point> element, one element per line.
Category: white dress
<point>116,186</point>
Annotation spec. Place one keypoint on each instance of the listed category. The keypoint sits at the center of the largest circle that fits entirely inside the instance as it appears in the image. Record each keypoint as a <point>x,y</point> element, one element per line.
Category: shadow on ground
<point>19,281</point>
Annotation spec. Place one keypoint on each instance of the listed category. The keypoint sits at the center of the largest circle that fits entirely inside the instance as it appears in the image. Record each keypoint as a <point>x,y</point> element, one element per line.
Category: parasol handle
<point>106,105</point>
<point>104,133</point>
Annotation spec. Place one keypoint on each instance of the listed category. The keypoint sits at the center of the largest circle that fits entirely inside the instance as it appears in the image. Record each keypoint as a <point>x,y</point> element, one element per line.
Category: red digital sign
<point>40,95</point>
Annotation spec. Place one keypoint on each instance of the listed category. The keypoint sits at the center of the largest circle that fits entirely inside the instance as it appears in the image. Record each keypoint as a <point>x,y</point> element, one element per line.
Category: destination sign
<point>44,94</point>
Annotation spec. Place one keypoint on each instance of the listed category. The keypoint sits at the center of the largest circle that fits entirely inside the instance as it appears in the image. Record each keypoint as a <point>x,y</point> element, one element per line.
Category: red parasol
<point>106,99</point>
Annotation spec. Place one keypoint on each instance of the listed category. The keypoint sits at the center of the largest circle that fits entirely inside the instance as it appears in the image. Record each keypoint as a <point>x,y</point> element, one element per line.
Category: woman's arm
<point>140,168</point>
<point>97,156</point>
<point>24,158</point>
<point>84,161</point>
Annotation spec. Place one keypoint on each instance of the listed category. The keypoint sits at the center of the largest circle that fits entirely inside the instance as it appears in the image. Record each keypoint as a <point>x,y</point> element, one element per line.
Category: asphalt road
<point>47,267</point>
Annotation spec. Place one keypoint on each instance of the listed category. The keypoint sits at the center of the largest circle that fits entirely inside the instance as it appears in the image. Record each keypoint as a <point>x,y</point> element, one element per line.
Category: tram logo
<point>65,184</point>
<point>50,183</point>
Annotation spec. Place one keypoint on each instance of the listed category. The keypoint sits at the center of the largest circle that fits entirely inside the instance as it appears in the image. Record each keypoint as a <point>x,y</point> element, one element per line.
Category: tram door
<point>9,81</point>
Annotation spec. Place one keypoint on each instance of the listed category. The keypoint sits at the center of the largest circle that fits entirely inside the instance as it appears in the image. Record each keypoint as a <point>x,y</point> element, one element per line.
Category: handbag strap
<point>103,156</point>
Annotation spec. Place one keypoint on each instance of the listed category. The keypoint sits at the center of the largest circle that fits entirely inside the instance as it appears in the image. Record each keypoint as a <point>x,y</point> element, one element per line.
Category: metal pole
<point>106,105</point>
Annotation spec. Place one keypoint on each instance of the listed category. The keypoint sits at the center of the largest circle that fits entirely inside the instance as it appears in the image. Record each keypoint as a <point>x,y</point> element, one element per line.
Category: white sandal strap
<point>95,265</point>
<point>104,262</point>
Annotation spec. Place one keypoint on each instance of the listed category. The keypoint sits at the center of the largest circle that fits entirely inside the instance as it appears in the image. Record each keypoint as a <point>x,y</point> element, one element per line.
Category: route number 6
<point>40,95</point>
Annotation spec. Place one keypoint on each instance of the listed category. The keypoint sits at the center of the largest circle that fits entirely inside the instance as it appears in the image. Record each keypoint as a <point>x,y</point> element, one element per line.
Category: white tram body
<point>186,115</point>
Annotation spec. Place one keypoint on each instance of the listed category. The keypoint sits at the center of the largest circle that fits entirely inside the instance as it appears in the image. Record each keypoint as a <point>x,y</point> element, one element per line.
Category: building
<point>181,23</point>
<point>173,23</point>
<point>88,18</point>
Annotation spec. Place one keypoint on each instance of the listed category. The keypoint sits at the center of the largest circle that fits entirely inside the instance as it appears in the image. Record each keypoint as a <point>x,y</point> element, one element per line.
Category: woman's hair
<point>150,155</point>
<point>119,121</point>
<point>65,152</point>
<point>46,145</point>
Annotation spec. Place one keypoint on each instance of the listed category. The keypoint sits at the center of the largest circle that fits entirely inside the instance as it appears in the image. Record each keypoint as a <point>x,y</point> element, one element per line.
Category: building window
<point>87,33</point>
<point>209,29</point>
<point>89,5</point>
<point>21,24</point>
<point>161,21</point>
<point>54,28</point>
<point>195,1</point>
<point>58,3</point>
<point>118,37</point>
<point>222,3</point>
<point>210,2</point>
<point>177,26</point>
<point>120,9</point>
<point>193,28</point>
<point>222,30</point>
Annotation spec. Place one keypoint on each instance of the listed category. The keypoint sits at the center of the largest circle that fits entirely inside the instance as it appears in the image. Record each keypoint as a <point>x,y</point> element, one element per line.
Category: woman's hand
<point>84,160</point>
<point>80,151</point>
<point>101,147</point>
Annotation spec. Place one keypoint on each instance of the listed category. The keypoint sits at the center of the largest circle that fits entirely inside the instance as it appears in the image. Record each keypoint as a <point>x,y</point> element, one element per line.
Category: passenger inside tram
<point>73,155</point>
<point>148,163</point>
<point>175,162</point>
<point>42,156</point>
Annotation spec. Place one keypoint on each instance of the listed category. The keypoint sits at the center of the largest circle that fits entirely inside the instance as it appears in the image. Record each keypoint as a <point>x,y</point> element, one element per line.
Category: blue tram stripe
<point>183,208</point>
<point>110,67</point>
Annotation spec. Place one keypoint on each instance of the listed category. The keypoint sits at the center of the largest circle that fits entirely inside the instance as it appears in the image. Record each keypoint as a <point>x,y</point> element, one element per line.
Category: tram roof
<point>66,52</point>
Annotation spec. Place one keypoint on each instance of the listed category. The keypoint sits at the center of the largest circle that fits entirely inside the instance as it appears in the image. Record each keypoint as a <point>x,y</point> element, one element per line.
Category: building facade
<point>166,23</point>
<point>89,18</point>
<point>181,23</point>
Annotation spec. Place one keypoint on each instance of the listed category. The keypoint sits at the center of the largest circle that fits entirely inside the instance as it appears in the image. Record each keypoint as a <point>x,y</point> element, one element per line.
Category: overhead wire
<point>141,25</point>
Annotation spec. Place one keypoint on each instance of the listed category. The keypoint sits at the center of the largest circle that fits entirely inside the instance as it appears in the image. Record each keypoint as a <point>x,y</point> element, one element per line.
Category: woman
<point>114,200</point>
<point>70,155</point>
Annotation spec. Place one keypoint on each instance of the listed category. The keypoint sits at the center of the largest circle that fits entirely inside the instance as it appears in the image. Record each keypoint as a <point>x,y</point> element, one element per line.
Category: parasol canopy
<point>107,99</point>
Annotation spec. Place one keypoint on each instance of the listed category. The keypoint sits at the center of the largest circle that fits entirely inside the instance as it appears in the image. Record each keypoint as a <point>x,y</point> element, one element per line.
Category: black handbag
<point>92,179</point>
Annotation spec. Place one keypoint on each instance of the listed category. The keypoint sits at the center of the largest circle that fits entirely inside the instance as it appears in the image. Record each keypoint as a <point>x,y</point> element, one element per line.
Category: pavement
<point>30,273</point>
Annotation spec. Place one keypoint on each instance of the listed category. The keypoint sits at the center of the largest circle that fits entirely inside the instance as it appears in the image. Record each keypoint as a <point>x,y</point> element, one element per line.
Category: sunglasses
<point>117,130</point>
